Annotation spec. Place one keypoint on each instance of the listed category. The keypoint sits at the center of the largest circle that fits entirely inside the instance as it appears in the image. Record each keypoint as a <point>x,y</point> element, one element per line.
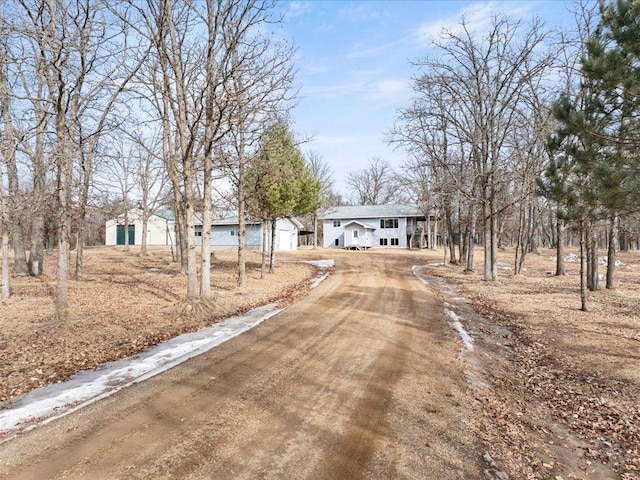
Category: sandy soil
<point>366,377</point>
<point>563,396</point>
<point>125,303</point>
<point>359,379</point>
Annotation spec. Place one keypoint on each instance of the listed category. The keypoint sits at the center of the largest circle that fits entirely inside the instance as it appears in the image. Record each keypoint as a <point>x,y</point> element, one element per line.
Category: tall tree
<point>279,181</point>
<point>320,170</point>
<point>374,185</point>
<point>4,238</point>
<point>484,85</point>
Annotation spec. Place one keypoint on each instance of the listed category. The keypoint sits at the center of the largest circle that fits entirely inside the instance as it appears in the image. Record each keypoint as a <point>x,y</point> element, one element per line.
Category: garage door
<point>284,240</point>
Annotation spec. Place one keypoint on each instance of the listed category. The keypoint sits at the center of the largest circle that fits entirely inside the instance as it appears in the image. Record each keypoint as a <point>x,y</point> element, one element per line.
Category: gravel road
<point>359,379</point>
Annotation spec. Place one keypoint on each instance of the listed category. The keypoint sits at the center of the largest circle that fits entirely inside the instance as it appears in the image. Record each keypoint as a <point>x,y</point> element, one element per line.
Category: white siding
<point>332,233</point>
<point>156,229</point>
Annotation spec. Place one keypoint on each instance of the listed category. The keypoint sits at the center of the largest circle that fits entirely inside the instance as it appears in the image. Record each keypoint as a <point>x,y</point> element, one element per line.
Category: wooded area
<point>141,103</point>
<point>528,137</point>
<point>518,136</point>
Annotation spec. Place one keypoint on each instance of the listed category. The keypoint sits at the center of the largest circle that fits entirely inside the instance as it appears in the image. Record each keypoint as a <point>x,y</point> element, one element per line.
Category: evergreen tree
<point>279,182</point>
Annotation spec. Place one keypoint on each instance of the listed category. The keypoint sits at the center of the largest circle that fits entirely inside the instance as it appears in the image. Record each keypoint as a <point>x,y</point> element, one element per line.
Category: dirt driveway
<point>360,379</point>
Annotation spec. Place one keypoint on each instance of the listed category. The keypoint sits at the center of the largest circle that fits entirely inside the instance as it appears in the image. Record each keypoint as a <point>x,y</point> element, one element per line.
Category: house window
<point>337,242</point>
<point>395,242</point>
<point>198,233</point>
<point>388,223</point>
<point>336,223</point>
<point>355,234</point>
<point>383,242</point>
<point>233,233</point>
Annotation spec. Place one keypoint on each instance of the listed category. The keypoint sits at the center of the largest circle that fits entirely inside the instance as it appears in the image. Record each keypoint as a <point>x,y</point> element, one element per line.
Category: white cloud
<point>366,51</point>
<point>388,90</point>
<point>478,17</point>
<point>369,89</point>
<point>299,9</point>
<point>361,12</point>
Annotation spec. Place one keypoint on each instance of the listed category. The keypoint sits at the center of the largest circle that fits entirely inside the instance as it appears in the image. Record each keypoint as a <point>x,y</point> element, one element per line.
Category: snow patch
<point>322,265</point>
<point>87,387</point>
<point>415,271</point>
<point>53,401</point>
<point>455,320</point>
<point>572,258</point>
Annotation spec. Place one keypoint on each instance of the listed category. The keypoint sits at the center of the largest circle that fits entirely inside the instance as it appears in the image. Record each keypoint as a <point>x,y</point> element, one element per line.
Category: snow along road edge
<point>48,403</point>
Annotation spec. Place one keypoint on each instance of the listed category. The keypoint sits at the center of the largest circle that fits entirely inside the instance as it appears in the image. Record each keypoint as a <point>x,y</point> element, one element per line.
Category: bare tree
<point>149,177</point>
<point>9,158</point>
<point>321,170</point>
<point>482,85</point>
<point>374,185</point>
<point>4,237</point>
<point>190,85</point>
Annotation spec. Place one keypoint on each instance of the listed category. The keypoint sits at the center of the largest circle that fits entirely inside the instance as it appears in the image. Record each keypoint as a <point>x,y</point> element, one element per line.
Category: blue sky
<point>354,67</point>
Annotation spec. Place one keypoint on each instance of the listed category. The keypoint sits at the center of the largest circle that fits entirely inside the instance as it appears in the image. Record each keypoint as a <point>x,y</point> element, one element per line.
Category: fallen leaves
<point>564,369</point>
<point>126,304</point>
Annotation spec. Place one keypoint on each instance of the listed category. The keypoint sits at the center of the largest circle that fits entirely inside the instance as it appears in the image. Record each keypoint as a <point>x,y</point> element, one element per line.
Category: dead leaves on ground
<point>126,304</point>
<point>574,368</point>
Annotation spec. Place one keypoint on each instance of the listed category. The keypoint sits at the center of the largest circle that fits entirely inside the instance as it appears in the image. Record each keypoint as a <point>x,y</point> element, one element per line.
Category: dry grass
<point>563,367</point>
<point>125,303</point>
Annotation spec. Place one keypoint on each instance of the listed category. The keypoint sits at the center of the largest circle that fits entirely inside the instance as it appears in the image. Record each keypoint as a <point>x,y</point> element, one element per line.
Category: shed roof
<point>372,211</point>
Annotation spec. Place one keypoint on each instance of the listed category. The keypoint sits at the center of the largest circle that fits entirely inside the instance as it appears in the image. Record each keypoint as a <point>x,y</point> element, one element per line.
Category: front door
<point>354,237</point>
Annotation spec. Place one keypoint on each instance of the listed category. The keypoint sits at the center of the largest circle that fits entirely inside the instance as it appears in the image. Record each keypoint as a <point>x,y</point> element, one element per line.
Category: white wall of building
<point>393,237</point>
<point>158,229</point>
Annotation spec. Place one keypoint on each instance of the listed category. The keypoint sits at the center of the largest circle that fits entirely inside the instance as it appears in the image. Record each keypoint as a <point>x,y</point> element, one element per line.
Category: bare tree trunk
<point>315,231</point>
<point>611,253</point>
<point>560,247</point>
<point>470,237</point>
<point>445,237</point>
<point>192,272</point>
<point>449,223</point>
<point>494,239</point>
<point>583,268</point>
<point>242,228</point>
<point>20,266</point>
<point>486,234</point>
<point>263,265</point>
<point>65,177</point>
<point>532,231</point>
<point>205,248</point>
<point>80,249</point>
<point>592,258</point>
<point>4,234</point>
<point>521,249</point>
<point>145,226</point>
<point>272,257</point>
<point>6,290</point>
<point>126,224</point>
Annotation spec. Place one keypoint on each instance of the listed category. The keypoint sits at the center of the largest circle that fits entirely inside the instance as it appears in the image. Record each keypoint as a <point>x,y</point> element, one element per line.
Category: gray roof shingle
<point>372,211</point>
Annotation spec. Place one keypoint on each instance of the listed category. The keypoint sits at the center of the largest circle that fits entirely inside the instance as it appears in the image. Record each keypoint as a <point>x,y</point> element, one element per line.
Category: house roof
<point>166,214</point>
<point>369,227</point>
<point>372,211</point>
<point>231,218</point>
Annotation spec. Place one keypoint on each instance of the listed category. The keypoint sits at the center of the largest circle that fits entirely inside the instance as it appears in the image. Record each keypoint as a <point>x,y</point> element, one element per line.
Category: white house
<point>160,229</point>
<point>224,233</point>
<point>368,226</point>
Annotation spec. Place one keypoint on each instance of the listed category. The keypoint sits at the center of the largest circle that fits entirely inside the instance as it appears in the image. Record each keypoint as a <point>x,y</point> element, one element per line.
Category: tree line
<point>165,98</point>
<point>521,135</point>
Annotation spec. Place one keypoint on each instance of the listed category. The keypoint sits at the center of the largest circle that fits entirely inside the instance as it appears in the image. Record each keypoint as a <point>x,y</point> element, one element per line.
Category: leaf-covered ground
<point>559,390</point>
<point>125,303</point>
<point>564,385</point>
